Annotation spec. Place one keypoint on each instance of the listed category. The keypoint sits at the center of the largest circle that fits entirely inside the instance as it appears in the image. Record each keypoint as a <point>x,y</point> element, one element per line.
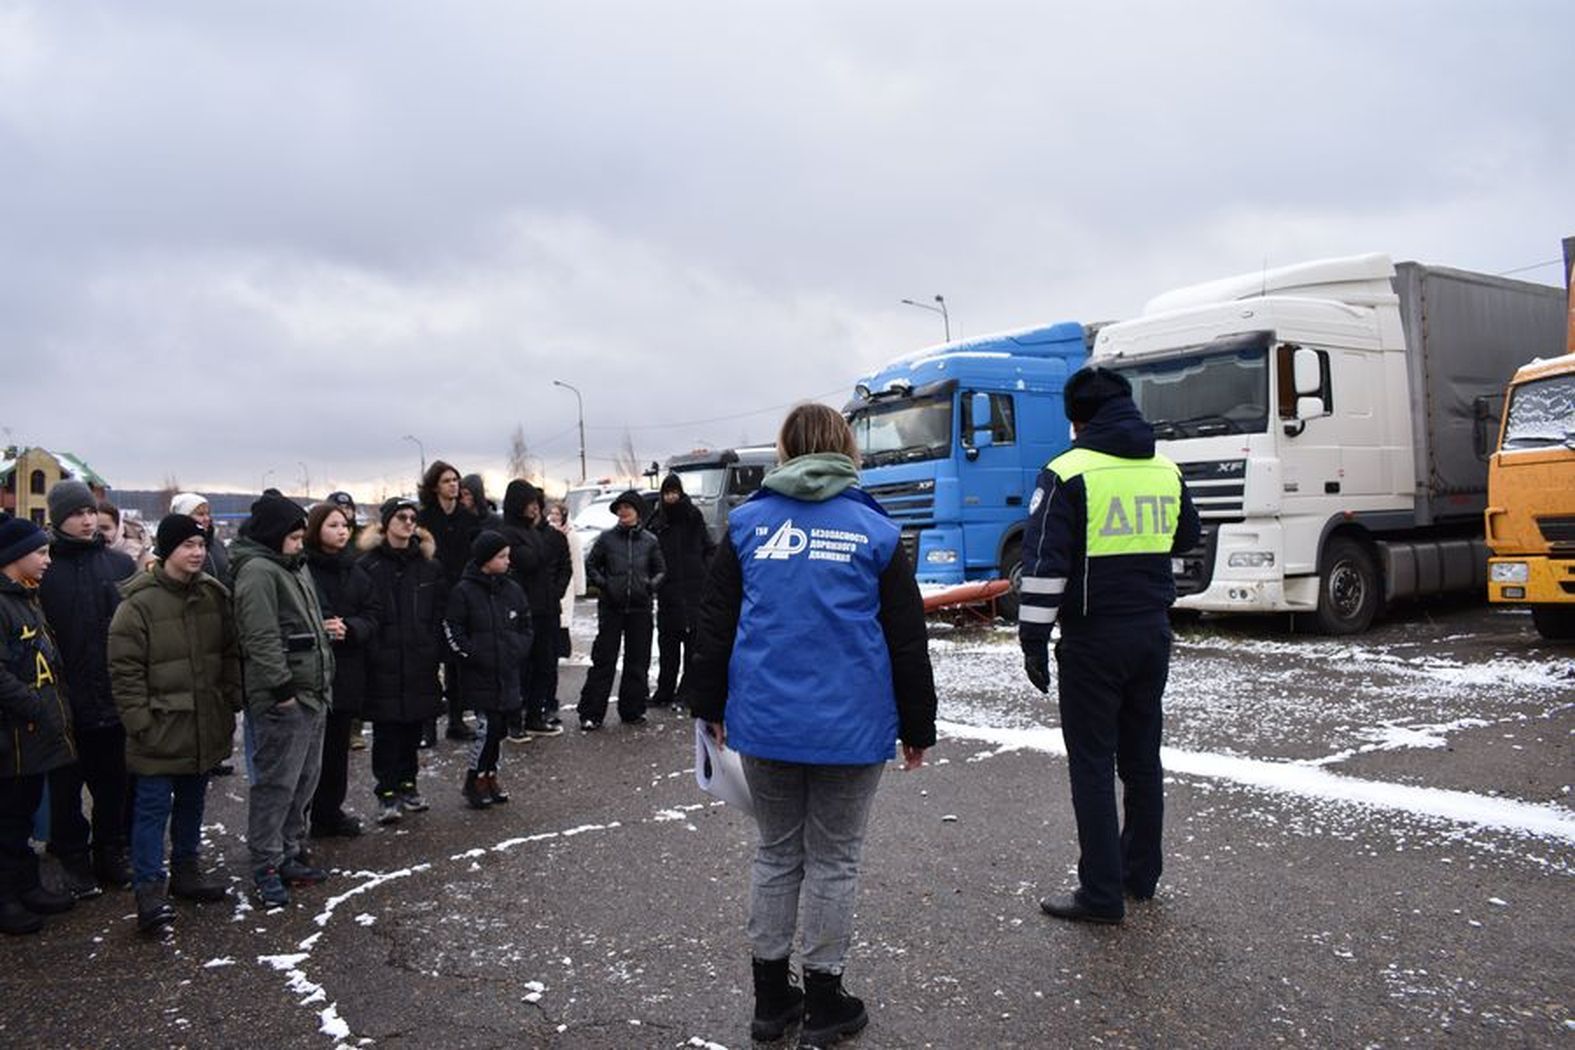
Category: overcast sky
<point>238,238</point>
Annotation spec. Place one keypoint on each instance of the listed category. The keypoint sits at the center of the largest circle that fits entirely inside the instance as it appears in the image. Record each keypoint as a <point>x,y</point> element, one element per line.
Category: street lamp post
<point>580,401</point>
<point>266,475</point>
<point>946,319</point>
<point>420,448</point>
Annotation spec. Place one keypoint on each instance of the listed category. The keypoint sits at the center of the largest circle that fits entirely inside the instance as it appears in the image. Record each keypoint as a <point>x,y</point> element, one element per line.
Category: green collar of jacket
<point>816,477</point>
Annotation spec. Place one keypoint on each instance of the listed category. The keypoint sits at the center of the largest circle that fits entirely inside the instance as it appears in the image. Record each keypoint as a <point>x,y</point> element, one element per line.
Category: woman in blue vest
<point>811,661</point>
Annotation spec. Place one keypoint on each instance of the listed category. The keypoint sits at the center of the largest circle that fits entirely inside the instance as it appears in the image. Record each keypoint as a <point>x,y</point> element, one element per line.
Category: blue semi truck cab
<point>953,438</point>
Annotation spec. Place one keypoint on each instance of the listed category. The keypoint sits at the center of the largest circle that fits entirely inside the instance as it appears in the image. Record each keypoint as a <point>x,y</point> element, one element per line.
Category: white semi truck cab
<point>1332,420</point>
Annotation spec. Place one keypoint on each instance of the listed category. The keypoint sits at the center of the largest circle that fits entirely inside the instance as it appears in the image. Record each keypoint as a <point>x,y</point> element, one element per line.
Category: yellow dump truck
<point>1531,490</point>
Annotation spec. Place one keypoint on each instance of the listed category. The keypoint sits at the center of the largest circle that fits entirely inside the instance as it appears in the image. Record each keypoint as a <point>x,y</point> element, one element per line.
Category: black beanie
<point>1091,387</point>
<point>394,505</point>
<point>273,518</point>
<point>485,546</point>
<point>175,529</point>
<point>19,538</point>
<point>66,498</point>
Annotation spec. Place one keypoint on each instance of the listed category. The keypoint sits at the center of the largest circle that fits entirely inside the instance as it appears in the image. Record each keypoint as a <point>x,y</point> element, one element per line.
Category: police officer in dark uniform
<point>1106,518</point>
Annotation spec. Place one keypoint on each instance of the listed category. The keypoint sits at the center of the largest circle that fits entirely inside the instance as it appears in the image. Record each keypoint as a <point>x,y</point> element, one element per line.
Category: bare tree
<point>170,490</point>
<point>519,453</point>
<point>627,462</point>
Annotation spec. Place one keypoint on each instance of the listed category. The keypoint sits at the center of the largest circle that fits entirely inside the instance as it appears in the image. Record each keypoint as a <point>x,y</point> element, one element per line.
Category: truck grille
<point>1559,534</point>
<point>910,547</point>
<point>909,502</point>
<point>1217,487</point>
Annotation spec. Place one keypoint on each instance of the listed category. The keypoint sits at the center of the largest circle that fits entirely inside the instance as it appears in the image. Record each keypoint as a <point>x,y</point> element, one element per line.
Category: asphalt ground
<point>1369,843</point>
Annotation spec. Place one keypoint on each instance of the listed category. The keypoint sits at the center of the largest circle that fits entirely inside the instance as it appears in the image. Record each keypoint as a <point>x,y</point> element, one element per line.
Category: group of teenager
<point>123,671</point>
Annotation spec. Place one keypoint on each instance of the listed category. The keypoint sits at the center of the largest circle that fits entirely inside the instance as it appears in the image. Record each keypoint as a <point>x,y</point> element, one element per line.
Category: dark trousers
<point>451,693</point>
<point>20,798</point>
<point>101,768</point>
<point>395,761</point>
<point>334,781</point>
<point>539,683</point>
<point>632,629</point>
<point>490,728</point>
<point>672,641</point>
<point>1110,684</point>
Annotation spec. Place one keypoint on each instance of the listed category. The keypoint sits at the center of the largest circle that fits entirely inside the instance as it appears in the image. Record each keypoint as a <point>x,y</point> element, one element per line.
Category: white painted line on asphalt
<point>1465,807</point>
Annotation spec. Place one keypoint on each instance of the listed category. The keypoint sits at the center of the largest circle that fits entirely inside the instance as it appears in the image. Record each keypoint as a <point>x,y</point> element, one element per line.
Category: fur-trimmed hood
<point>371,538</point>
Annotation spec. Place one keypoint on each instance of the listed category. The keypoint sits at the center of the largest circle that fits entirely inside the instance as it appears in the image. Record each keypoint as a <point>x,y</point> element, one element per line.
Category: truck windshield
<point>903,430</point>
<point>1541,413</point>
<point>1203,394</point>
<point>702,482</point>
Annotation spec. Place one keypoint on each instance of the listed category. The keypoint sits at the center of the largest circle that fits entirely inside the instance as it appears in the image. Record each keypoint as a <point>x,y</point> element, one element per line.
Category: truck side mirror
<point>1308,377</point>
<point>1309,407</point>
<point>982,435</point>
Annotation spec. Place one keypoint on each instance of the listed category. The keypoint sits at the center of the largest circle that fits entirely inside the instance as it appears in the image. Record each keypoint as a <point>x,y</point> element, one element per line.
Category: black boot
<point>778,1003</point>
<point>475,796</point>
<point>112,866</point>
<point>153,908</point>
<point>16,920</point>
<point>829,1011</point>
<point>77,878</point>
<point>41,901</point>
<point>189,882</point>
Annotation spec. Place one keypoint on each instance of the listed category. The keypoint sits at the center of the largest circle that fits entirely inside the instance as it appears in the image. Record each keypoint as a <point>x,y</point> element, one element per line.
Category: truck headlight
<point>1509,572</point>
<point>943,556</point>
<point>1251,559</point>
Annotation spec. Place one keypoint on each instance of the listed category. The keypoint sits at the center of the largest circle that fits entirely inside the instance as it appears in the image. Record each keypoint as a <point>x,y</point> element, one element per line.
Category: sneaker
<point>518,735</point>
<point>460,731</point>
<point>637,720</point>
<point>588,725</point>
<point>270,888</point>
<point>388,811</point>
<point>554,720</point>
<point>541,727</point>
<point>341,825</point>
<point>413,802</point>
<point>299,871</point>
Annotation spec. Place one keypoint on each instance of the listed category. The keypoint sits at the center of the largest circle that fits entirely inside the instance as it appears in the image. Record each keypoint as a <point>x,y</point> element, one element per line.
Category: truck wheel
<point>1556,623</point>
<point>1011,569</point>
<point>1349,590</point>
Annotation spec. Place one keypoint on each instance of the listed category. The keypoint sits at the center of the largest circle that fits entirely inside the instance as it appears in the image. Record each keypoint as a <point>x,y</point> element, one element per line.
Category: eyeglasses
<point>406,517</point>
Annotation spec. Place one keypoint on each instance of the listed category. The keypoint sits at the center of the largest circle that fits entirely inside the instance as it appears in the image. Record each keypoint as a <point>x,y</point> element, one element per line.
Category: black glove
<point>1036,663</point>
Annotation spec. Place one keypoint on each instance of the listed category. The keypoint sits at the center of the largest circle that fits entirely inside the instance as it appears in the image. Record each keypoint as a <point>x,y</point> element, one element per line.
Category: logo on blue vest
<point>784,543</point>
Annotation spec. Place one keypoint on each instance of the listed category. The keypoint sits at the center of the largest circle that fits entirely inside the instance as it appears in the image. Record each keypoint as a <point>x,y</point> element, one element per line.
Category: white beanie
<point>186,502</point>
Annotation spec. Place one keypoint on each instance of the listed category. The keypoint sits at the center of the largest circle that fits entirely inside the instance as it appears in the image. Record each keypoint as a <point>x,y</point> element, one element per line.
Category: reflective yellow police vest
<point>1133,504</point>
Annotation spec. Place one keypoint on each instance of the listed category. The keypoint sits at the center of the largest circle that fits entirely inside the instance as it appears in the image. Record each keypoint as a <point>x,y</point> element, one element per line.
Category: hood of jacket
<point>635,500</point>
<point>1117,429</point>
<point>519,495</point>
<point>815,478</point>
<point>371,538</point>
<point>245,550</point>
<point>473,484</point>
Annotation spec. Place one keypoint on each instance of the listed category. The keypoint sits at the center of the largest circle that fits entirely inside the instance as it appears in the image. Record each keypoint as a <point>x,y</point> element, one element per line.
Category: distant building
<point>27,474</point>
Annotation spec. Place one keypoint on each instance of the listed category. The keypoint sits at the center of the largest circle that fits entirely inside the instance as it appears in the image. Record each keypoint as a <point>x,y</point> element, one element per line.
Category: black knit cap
<point>393,506</point>
<point>175,529</point>
<point>273,518</point>
<point>1091,387</point>
<point>19,538</point>
<point>485,546</point>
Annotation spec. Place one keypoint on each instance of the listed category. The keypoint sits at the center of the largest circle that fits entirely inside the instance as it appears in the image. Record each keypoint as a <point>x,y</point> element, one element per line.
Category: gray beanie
<point>68,496</point>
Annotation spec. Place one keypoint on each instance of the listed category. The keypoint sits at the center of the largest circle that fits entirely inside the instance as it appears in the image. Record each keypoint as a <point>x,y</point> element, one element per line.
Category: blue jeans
<point>187,795</point>
<point>811,820</point>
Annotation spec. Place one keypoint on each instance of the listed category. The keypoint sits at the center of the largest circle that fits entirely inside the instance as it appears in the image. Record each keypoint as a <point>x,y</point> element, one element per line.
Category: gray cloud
<point>243,238</point>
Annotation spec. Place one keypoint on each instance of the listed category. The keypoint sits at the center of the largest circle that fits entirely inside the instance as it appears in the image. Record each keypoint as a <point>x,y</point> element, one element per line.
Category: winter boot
<point>42,901</point>
<point>494,789</point>
<point>153,908</point>
<point>475,794</point>
<point>189,882</point>
<point>112,866</point>
<point>77,877</point>
<point>17,920</point>
<point>778,1002</point>
<point>829,1011</point>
